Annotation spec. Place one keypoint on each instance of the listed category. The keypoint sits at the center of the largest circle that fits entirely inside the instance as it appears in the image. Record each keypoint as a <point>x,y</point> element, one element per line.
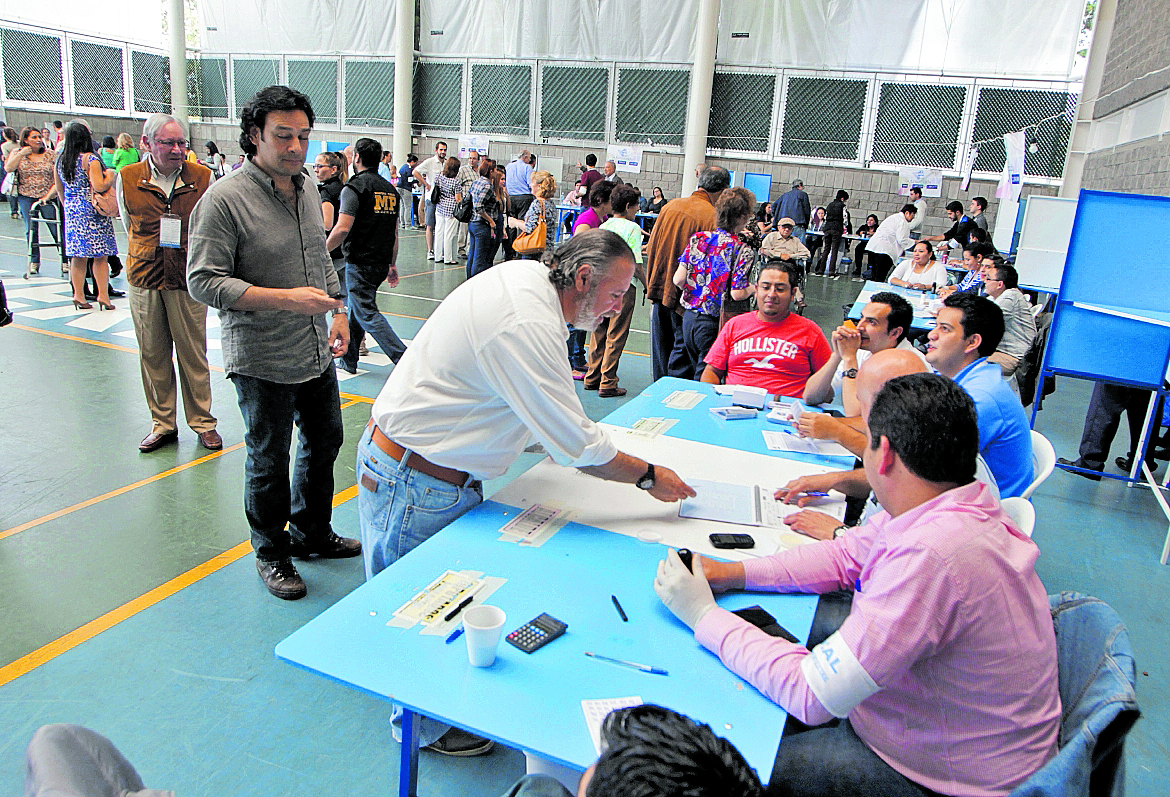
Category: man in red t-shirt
<point>771,348</point>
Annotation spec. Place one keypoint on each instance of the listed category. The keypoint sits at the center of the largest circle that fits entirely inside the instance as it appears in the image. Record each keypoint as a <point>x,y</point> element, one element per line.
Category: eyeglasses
<point>322,166</point>
<point>181,143</point>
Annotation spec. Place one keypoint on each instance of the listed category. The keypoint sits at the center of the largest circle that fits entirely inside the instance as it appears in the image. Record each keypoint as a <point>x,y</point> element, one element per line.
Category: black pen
<point>458,608</point>
<point>618,606</point>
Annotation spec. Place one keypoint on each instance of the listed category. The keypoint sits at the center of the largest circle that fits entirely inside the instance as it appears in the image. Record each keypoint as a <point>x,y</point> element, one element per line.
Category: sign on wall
<point>469,143</point>
<point>929,180</point>
<point>627,159</point>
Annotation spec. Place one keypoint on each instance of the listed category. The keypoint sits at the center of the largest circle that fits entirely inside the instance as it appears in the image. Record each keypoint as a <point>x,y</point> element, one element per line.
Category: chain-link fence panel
<point>369,93</point>
<point>501,98</point>
<point>741,111</point>
<point>97,75</point>
<point>32,67</point>
<point>207,91</point>
<point>652,106</point>
<point>438,95</point>
<point>1006,110</point>
<point>249,75</point>
<point>150,80</point>
<point>822,118</point>
<point>573,102</point>
<point>317,79</point>
<point>918,124</point>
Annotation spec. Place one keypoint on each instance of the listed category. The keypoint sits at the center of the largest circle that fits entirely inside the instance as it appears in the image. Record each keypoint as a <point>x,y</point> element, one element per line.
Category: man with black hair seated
<point>967,333</point>
<point>650,751</point>
<point>961,227</point>
<point>920,690</point>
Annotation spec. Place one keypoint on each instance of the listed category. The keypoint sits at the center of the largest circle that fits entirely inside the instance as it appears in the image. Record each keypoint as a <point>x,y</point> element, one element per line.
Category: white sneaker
<point>430,255</point>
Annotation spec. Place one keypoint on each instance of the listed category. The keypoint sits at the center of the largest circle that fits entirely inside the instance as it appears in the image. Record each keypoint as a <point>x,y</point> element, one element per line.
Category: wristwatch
<point>850,374</point>
<point>339,310</point>
<point>646,482</point>
<point>837,532</point>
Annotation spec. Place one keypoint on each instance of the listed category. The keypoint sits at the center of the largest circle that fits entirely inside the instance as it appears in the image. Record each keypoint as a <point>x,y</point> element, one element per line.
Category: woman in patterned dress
<point>87,233</point>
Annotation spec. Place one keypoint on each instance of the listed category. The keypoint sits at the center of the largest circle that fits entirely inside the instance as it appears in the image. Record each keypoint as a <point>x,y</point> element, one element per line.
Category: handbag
<point>104,202</point>
<point>11,181</point>
<point>533,243</point>
<point>5,313</point>
<point>463,208</point>
<point>436,194</point>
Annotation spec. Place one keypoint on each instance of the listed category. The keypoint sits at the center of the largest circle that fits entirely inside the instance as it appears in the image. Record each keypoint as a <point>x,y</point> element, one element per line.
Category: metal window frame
<point>610,103</point>
<point>533,84</point>
<point>865,134</point>
<point>338,101</point>
<point>963,136</point>
<point>1019,84</point>
<point>66,70</point>
<point>611,126</point>
<point>772,146</point>
<point>281,76</point>
<point>132,94</point>
<point>464,94</point>
<point>232,116</point>
<point>343,76</point>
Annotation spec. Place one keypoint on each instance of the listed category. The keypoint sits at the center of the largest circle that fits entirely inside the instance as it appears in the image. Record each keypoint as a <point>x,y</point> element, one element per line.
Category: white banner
<point>1011,181</point>
<point>333,27</point>
<point>968,168</point>
<point>473,142</point>
<point>627,159</point>
<point>929,180</point>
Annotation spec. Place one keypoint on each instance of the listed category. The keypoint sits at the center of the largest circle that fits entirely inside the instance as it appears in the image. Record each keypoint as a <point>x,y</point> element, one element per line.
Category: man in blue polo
<point>967,332</point>
<point>795,205</point>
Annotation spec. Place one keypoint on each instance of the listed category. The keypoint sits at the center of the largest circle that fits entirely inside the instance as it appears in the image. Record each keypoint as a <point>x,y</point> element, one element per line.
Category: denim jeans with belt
<point>270,410</point>
<point>399,509</point>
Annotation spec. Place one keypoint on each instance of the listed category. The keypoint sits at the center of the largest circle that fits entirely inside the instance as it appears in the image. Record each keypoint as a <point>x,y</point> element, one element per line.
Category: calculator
<point>537,633</point>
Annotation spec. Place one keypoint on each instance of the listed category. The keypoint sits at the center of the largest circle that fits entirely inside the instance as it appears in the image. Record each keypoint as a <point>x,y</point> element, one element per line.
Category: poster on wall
<point>929,180</point>
<point>968,168</point>
<point>627,159</point>
<point>1011,180</point>
<point>469,143</point>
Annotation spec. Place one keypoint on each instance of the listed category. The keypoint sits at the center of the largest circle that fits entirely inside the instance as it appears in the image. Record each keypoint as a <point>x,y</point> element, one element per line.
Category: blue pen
<point>817,493</point>
<point>633,665</point>
<point>454,635</point>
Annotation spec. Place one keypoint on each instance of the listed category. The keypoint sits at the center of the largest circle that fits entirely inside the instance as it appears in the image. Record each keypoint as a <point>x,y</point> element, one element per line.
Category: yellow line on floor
<point>63,336</point>
<point>119,491</point>
<point>432,271</point>
<point>30,661</point>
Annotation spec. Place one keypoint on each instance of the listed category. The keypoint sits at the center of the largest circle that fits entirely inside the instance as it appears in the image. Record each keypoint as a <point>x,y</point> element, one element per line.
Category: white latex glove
<point>686,594</point>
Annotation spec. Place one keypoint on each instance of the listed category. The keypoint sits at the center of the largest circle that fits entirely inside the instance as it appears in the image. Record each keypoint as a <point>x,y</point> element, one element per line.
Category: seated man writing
<point>884,323</point>
<point>771,348</point>
<point>924,673</point>
<point>782,244</point>
<point>968,332</point>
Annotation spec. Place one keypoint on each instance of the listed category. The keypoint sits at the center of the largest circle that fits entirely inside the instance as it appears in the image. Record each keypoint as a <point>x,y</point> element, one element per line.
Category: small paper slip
<point>683,399</point>
<point>652,427</point>
<point>531,522</point>
<point>787,441</point>
<point>743,504</point>
<point>597,710</point>
<point>785,412</point>
<point>440,596</point>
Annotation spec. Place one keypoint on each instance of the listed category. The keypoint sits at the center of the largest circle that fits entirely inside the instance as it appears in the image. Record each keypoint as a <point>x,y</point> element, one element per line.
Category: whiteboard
<point>1044,238</point>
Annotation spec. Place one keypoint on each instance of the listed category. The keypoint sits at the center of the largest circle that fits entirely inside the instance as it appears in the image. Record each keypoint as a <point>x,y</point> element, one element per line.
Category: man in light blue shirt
<point>518,174</point>
<point>968,330</point>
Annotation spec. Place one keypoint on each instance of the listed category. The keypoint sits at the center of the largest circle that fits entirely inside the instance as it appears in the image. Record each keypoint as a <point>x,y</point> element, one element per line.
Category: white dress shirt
<point>892,237</point>
<point>486,375</point>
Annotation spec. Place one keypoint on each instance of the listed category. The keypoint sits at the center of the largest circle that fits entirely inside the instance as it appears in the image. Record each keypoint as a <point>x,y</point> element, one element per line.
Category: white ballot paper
<point>785,440</point>
<point>745,504</point>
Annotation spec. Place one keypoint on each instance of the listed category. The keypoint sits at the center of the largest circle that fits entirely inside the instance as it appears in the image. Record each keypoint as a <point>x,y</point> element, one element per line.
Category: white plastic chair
<point>1022,512</point>
<point>1043,462</point>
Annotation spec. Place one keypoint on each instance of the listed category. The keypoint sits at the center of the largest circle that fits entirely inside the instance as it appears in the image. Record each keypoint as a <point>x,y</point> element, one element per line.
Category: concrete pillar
<point>699,106</point>
<point>403,77</point>
<point>178,41</point>
<point>1082,132</point>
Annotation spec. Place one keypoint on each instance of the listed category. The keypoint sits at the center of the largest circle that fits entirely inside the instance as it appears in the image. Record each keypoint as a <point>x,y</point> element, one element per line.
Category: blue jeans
<point>270,410</point>
<point>399,509</point>
<point>668,354</point>
<point>362,283</point>
<point>481,247</point>
<point>577,349</point>
<point>699,332</point>
<point>47,210</point>
<point>832,761</point>
<point>799,231</point>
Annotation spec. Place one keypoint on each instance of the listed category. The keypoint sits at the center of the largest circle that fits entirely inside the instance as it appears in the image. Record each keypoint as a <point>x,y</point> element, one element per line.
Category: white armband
<point>836,677</point>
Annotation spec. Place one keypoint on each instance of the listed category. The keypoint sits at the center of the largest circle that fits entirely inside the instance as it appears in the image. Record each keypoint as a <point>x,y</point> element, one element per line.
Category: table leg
<point>408,757</point>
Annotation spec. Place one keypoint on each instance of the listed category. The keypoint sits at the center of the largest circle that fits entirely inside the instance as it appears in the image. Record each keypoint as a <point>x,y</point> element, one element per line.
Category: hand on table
<point>817,425</point>
<point>668,487</point>
<point>686,594</point>
<point>814,524</point>
<point>796,491</point>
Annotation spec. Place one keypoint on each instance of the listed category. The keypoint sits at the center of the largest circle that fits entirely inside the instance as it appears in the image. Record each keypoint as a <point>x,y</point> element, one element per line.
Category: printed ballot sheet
<point>744,504</point>
<point>623,509</point>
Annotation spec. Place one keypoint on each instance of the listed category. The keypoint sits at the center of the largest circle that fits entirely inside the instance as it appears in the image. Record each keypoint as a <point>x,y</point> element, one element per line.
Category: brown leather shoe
<point>153,441</point>
<point>332,547</point>
<point>611,392</point>
<point>282,579</point>
<point>211,440</point>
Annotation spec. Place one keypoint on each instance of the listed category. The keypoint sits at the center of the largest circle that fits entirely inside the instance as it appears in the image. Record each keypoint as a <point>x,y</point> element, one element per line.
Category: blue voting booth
<point>1112,324</point>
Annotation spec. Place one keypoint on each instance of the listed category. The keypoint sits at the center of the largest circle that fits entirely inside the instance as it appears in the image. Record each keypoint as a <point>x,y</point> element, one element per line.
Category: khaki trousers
<point>166,321</point>
<point>609,340</point>
<point>1006,362</point>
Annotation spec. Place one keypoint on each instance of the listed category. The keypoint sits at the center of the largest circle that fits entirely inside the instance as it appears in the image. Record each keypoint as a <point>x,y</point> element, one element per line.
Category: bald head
<point>881,368</point>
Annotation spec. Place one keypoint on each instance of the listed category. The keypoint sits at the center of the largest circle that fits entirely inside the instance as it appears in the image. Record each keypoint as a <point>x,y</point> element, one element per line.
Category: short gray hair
<point>714,179</point>
<point>597,248</point>
<point>156,122</point>
<point>798,183</point>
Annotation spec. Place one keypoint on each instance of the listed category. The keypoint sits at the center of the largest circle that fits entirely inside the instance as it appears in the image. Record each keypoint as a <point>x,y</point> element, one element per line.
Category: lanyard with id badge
<point>170,230</point>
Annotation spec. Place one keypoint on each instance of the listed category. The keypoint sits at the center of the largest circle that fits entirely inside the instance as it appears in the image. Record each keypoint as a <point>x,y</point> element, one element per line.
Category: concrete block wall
<point>1140,167</point>
<point>1139,52</point>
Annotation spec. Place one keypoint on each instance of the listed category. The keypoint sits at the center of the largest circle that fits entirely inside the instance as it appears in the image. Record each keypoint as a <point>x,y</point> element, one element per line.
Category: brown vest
<point>149,265</point>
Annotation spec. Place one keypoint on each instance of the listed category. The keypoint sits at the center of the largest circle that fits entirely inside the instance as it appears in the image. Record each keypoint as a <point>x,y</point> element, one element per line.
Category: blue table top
<point>533,701</point>
<point>700,425</point>
<point>922,321</point>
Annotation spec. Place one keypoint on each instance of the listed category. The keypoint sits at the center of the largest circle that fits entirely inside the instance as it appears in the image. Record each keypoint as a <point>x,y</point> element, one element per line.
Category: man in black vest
<point>367,231</point>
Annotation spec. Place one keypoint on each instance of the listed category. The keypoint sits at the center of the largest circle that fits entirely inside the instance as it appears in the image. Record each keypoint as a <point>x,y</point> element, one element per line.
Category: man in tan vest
<point>156,197</point>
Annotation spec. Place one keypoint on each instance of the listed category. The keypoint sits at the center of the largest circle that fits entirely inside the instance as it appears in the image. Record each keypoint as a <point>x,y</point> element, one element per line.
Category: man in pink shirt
<point>772,348</point>
<point>943,676</point>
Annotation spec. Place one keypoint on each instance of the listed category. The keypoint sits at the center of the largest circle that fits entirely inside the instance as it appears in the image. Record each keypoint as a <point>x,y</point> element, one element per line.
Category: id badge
<point>170,231</point>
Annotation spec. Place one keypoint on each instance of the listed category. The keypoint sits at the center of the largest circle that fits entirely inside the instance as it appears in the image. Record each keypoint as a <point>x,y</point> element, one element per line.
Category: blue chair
<point>1096,671</point>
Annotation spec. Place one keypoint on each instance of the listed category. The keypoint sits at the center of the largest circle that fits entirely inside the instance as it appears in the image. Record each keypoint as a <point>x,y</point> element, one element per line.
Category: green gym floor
<point>130,603</point>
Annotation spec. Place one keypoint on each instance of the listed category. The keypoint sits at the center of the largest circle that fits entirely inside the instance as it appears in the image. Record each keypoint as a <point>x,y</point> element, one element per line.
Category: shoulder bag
<point>463,208</point>
<point>104,202</point>
<point>533,243</point>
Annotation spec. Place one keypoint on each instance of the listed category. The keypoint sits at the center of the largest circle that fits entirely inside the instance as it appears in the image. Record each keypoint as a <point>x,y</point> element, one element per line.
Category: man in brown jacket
<point>156,197</point>
<point>679,220</point>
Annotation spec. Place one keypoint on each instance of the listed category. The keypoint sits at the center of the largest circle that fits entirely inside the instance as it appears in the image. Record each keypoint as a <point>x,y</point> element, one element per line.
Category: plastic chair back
<point>1022,512</point>
<point>1043,462</point>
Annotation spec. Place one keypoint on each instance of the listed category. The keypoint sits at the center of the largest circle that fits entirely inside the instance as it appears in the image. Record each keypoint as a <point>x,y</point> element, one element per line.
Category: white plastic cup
<point>482,625</point>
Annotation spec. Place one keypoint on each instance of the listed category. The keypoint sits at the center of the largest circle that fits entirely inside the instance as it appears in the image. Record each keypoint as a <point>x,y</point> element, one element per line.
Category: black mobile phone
<point>732,541</point>
<point>685,555</point>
